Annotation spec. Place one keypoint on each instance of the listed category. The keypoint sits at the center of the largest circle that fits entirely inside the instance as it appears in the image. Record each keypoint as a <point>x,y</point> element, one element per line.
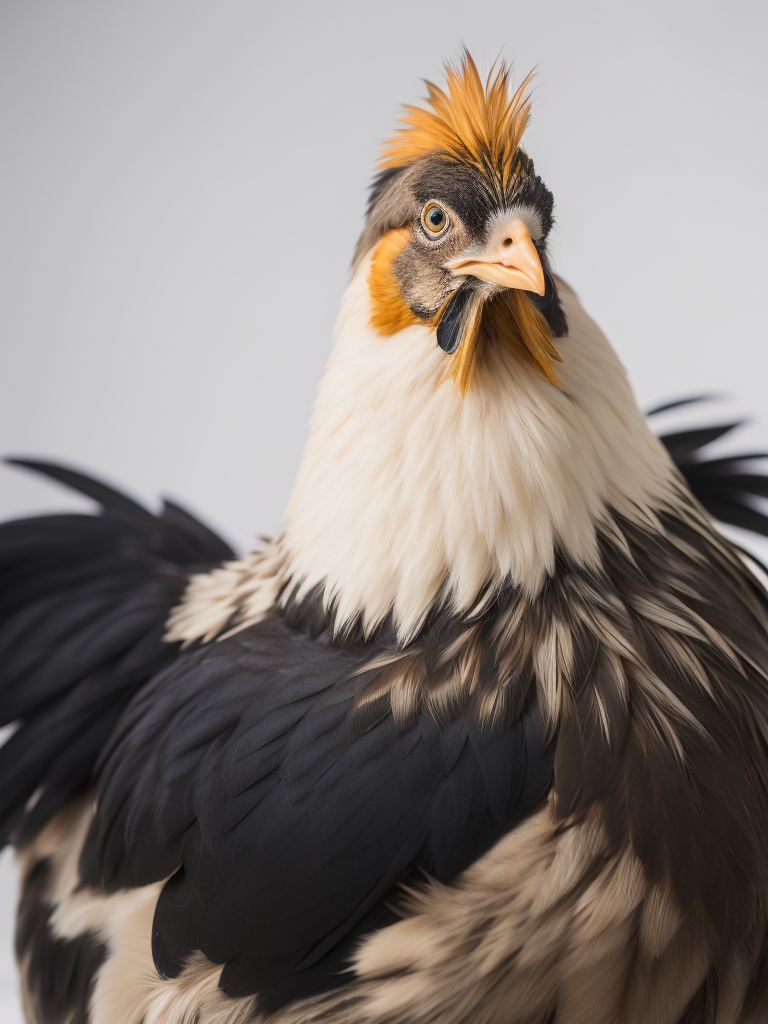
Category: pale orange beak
<point>511,261</point>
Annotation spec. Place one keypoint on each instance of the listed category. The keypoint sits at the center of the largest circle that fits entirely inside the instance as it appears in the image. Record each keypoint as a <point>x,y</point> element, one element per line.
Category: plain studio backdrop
<point>183,184</point>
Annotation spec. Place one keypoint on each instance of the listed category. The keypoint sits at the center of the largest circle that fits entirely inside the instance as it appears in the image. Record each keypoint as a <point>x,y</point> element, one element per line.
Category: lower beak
<point>511,261</point>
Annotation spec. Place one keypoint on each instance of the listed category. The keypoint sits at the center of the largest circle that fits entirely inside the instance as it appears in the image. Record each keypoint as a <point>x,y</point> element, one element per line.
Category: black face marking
<point>475,199</point>
<point>531,191</point>
<point>548,304</point>
<point>462,189</point>
<point>542,302</point>
<point>450,330</point>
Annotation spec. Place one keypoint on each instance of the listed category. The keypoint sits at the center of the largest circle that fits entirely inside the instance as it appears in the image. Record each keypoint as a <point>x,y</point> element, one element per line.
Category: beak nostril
<point>507,241</point>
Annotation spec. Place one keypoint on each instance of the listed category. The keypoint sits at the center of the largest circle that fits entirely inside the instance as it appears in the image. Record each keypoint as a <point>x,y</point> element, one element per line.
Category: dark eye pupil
<point>435,217</point>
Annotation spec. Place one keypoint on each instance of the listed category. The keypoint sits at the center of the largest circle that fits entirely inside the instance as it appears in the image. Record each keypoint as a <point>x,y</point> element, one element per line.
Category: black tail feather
<point>685,444</point>
<point>83,605</point>
<point>679,402</point>
<point>106,496</point>
<point>729,487</point>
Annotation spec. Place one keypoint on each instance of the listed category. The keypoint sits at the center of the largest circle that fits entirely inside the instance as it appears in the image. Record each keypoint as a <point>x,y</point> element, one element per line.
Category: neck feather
<point>410,494</point>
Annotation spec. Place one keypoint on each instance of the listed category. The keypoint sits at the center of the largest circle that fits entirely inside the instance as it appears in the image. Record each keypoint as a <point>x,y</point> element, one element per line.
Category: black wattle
<point>450,326</point>
<point>543,302</point>
<point>548,304</point>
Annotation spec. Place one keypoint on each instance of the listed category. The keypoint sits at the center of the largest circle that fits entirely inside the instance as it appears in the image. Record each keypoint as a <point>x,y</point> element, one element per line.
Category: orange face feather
<point>509,319</point>
<point>390,312</point>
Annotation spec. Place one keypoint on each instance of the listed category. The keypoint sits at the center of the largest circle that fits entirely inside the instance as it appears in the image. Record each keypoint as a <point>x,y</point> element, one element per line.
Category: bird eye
<point>434,219</point>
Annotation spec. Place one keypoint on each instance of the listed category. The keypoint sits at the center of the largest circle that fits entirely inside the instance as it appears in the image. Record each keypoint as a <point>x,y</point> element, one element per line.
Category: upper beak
<point>511,260</point>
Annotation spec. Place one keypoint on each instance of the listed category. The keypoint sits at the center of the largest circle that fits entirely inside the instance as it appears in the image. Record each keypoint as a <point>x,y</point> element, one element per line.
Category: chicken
<point>480,736</point>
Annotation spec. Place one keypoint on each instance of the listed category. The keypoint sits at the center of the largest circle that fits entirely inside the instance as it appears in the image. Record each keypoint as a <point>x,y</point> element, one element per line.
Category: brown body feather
<point>639,893</point>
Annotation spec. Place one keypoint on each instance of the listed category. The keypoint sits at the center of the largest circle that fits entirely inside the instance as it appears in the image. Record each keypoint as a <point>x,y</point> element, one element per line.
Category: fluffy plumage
<point>246,761</point>
<point>82,612</point>
<point>481,735</point>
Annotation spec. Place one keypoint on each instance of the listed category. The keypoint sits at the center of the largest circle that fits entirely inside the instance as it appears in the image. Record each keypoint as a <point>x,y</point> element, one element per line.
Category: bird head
<point>457,227</point>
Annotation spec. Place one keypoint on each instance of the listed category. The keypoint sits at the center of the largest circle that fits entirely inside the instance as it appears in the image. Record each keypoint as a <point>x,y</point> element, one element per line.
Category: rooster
<point>481,736</point>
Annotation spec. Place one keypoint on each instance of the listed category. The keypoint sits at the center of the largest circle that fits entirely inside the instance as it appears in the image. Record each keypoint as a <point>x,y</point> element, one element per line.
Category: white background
<point>182,185</point>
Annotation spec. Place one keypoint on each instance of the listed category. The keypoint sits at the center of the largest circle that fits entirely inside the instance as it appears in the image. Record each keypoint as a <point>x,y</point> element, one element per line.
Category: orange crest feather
<point>478,124</point>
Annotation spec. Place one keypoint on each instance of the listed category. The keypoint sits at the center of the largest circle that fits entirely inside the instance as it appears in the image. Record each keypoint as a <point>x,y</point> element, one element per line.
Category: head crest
<point>475,123</point>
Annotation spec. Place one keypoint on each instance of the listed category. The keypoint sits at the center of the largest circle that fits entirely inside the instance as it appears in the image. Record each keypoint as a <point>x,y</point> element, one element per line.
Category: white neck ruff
<point>408,492</point>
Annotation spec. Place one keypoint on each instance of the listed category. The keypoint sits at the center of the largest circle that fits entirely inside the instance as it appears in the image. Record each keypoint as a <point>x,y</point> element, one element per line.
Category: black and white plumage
<point>83,608</point>
<point>481,736</point>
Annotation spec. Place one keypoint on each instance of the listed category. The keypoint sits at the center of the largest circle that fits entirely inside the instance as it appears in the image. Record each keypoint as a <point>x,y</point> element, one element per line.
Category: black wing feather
<point>292,829</point>
<point>285,822</point>
<point>83,603</point>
